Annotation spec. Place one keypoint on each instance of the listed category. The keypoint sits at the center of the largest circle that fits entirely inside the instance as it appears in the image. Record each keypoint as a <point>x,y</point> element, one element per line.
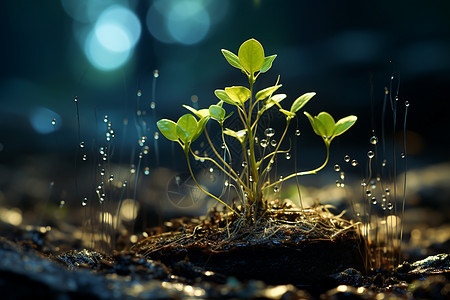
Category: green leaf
<point>232,59</point>
<point>328,122</point>
<point>186,128</point>
<point>251,56</point>
<point>287,113</point>
<point>216,112</point>
<point>240,135</point>
<point>263,94</point>
<point>168,129</point>
<point>238,94</point>
<point>318,128</point>
<point>267,63</point>
<point>222,95</point>
<point>200,127</point>
<point>199,113</point>
<point>274,100</point>
<point>344,124</point>
<point>301,101</point>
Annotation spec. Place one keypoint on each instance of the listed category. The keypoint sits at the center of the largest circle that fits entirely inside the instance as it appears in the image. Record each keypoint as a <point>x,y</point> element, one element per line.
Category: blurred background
<point>130,63</point>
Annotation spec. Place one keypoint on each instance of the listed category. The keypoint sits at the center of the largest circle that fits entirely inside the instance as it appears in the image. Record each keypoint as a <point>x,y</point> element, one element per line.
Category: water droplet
<point>147,170</point>
<point>84,202</point>
<point>388,192</point>
<point>244,164</point>
<point>273,143</point>
<point>390,206</point>
<point>263,143</point>
<point>152,105</point>
<point>139,93</point>
<point>211,170</point>
<point>337,168</point>
<point>53,121</point>
<point>250,178</point>
<point>338,184</point>
<point>84,157</point>
<point>288,155</point>
<point>402,155</point>
<point>226,183</point>
<point>347,158</point>
<point>82,145</point>
<point>373,140</point>
<point>374,200</point>
<point>133,169</point>
<point>146,148</point>
<point>407,103</point>
<point>354,162</point>
<point>363,183</point>
<point>111,177</point>
<point>342,184</point>
<point>156,135</point>
<point>102,172</point>
<point>370,154</point>
<point>62,203</point>
<point>105,119</point>
<point>276,189</point>
<point>269,132</point>
<point>384,163</point>
<point>297,132</point>
<point>368,193</point>
<point>342,176</point>
<point>248,152</point>
<point>156,73</point>
<point>76,99</point>
<point>105,156</point>
<point>125,183</point>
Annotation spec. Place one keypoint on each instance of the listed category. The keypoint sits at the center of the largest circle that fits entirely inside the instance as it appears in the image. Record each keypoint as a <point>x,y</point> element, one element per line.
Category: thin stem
<point>327,144</point>
<point>203,190</point>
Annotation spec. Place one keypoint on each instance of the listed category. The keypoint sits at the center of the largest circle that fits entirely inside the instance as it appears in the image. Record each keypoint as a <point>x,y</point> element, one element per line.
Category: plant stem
<point>203,190</point>
<point>327,144</point>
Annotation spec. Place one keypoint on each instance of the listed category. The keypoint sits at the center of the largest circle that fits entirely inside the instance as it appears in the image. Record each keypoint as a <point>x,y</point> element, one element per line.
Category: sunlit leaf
<point>238,94</point>
<point>275,99</point>
<point>267,63</point>
<point>301,101</point>
<point>287,113</point>
<point>240,135</point>
<point>328,122</point>
<point>251,56</point>
<point>222,95</point>
<point>168,129</point>
<point>318,128</point>
<point>200,127</point>
<point>232,58</point>
<point>344,124</point>
<point>199,113</point>
<point>217,113</point>
<point>263,94</point>
<point>186,127</point>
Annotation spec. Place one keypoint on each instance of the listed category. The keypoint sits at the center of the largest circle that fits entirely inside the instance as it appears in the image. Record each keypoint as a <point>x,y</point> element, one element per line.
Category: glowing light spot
<point>129,209</point>
<point>186,21</point>
<point>41,120</point>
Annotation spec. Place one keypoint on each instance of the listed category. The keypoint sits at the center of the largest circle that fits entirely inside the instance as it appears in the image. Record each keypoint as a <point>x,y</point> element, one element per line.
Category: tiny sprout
<point>253,181</point>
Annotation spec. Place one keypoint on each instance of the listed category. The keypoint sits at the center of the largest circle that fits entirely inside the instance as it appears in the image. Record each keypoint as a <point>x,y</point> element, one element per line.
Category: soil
<point>212,257</point>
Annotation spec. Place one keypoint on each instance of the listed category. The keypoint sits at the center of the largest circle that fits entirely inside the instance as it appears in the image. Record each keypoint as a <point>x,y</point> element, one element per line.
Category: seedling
<point>253,183</point>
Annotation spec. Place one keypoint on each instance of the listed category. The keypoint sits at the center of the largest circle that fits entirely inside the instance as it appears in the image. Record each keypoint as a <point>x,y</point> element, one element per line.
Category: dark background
<point>346,51</point>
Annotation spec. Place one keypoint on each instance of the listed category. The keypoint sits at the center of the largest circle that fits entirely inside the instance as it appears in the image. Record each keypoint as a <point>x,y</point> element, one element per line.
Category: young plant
<point>253,183</point>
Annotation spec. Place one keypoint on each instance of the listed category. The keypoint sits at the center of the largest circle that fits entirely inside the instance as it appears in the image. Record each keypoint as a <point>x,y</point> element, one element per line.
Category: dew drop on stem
<point>297,132</point>
<point>82,145</point>
<point>370,154</point>
<point>273,143</point>
<point>373,140</point>
<point>244,164</point>
<point>337,168</point>
<point>139,93</point>
<point>402,155</point>
<point>53,121</point>
<point>368,193</point>
<point>62,203</point>
<point>156,136</point>
<point>288,156</point>
<point>146,171</point>
<point>374,200</point>
<point>276,189</point>
<point>152,105</point>
<point>102,172</point>
<point>354,162</point>
<point>84,202</point>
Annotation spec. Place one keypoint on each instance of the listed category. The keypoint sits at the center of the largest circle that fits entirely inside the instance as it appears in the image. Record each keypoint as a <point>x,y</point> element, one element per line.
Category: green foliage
<point>254,182</point>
